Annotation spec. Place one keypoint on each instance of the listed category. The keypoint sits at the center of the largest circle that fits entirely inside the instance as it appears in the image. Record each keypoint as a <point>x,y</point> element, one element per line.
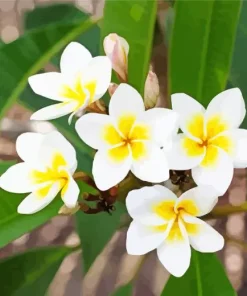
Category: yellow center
<point>50,175</point>
<point>209,137</point>
<point>128,137</point>
<point>78,92</point>
<point>168,211</point>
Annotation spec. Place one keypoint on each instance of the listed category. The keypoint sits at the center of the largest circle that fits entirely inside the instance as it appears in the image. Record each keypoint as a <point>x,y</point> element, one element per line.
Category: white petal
<point>90,127</point>
<point>139,203</point>
<point>207,239</point>
<point>74,59</point>
<point>17,179</point>
<point>126,100</point>
<point>175,255</point>
<point>142,239</point>
<point>28,145</point>
<point>219,176</point>
<point>153,167</point>
<point>230,104</point>
<point>177,157</point>
<point>70,193</point>
<point>107,174</point>
<point>164,123</point>
<point>204,198</point>
<point>47,85</point>
<point>54,111</point>
<point>32,203</point>
<point>98,70</point>
<point>186,107</point>
<point>240,153</point>
<point>55,142</point>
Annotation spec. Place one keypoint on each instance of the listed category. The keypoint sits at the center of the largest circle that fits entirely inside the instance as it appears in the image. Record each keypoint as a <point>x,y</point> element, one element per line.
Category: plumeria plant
<point>165,168</point>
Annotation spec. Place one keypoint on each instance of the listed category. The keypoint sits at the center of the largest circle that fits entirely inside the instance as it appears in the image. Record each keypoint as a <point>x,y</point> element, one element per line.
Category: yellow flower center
<point>209,137</point>
<point>128,137</point>
<point>50,175</point>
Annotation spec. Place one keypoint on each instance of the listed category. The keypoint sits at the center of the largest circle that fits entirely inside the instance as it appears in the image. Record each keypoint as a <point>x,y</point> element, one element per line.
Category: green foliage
<point>204,277</point>
<point>31,273</point>
<point>134,20</point>
<point>201,47</point>
<point>126,290</point>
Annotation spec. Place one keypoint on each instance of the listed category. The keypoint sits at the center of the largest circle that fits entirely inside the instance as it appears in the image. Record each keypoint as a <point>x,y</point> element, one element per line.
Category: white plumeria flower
<point>49,162</point>
<point>83,80</point>
<point>127,139</point>
<point>211,143</point>
<point>169,224</point>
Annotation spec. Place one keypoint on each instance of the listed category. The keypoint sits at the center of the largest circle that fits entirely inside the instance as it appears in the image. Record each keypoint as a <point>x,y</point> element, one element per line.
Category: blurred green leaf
<point>32,272</point>
<point>201,47</point>
<point>134,20</point>
<point>204,277</point>
<point>28,54</point>
<point>126,290</point>
<point>238,74</point>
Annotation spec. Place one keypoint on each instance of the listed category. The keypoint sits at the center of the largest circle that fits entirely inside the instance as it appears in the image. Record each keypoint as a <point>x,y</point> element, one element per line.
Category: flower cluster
<point>135,136</point>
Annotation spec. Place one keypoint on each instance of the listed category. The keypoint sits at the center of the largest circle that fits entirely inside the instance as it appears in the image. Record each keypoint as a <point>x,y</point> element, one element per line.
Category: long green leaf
<point>28,54</point>
<point>134,20</point>
<point>205,277</point>
<point>201,47</point>
<point>31,273</point>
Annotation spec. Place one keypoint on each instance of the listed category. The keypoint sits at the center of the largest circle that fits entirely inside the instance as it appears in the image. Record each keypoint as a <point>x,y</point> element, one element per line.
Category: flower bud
<point>117,49</point>
<point>64,210</point>
<point>152,90</point>
<point>112,88</point>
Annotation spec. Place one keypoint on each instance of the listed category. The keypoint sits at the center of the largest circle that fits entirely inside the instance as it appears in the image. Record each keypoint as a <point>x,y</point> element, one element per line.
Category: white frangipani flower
<point>169,224</point>
<point>49,162</point>
<point>83,80</point>
<point>127,139</point>
<point>211,144</point>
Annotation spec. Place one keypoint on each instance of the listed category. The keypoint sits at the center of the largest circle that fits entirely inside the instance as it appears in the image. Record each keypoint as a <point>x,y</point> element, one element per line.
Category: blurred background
<point>113,267</point>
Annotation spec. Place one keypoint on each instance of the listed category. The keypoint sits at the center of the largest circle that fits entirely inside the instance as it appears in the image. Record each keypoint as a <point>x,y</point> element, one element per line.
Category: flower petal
<point>28,145</point>
<point>108,173</point>
<point>152,167</point>
<point>191,114</point>
<point>140,203</point>
<point>33,203</point>
<point>90,128</point>
<point>70,193</point>
<point>184,153</point>
<point>74,59</point>
<point>203,198</point>
<point>126,100</point>
<point>54,111</point>
<point>17,179</point>
<point>240,153</point>
<point>99,71</point>
<point>160,119</point>
<point>206,239</point>
<point>142,239</point>
<point>175,255</point>
<point>219,175</point>
<point>47,85</point>
<point>230,105</point>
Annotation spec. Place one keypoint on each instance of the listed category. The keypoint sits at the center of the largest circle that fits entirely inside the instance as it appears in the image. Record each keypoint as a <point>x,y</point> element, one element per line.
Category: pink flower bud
<point>117,49</point>
<point>151,91</point>
<point>112,88</point>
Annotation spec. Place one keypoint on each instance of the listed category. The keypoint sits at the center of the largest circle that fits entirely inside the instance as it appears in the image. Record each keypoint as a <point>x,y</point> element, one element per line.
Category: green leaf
<point>28,54</point>
<point>201,47</point>
<point>126,290</point>
<point>204,277</point>
<point>238,72</point>
<point>134,20</point>
<point>31,273</point>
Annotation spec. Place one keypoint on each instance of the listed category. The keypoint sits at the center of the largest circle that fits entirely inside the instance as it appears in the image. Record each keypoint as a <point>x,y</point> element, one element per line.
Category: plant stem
<point>222,211</point>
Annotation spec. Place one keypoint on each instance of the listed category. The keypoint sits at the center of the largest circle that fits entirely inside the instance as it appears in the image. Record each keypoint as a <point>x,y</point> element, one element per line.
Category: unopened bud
<point>152,90</point>
<point>97,107</point>
<point>112,88</point>
<point>64,210</point>
<point>117,50</point>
